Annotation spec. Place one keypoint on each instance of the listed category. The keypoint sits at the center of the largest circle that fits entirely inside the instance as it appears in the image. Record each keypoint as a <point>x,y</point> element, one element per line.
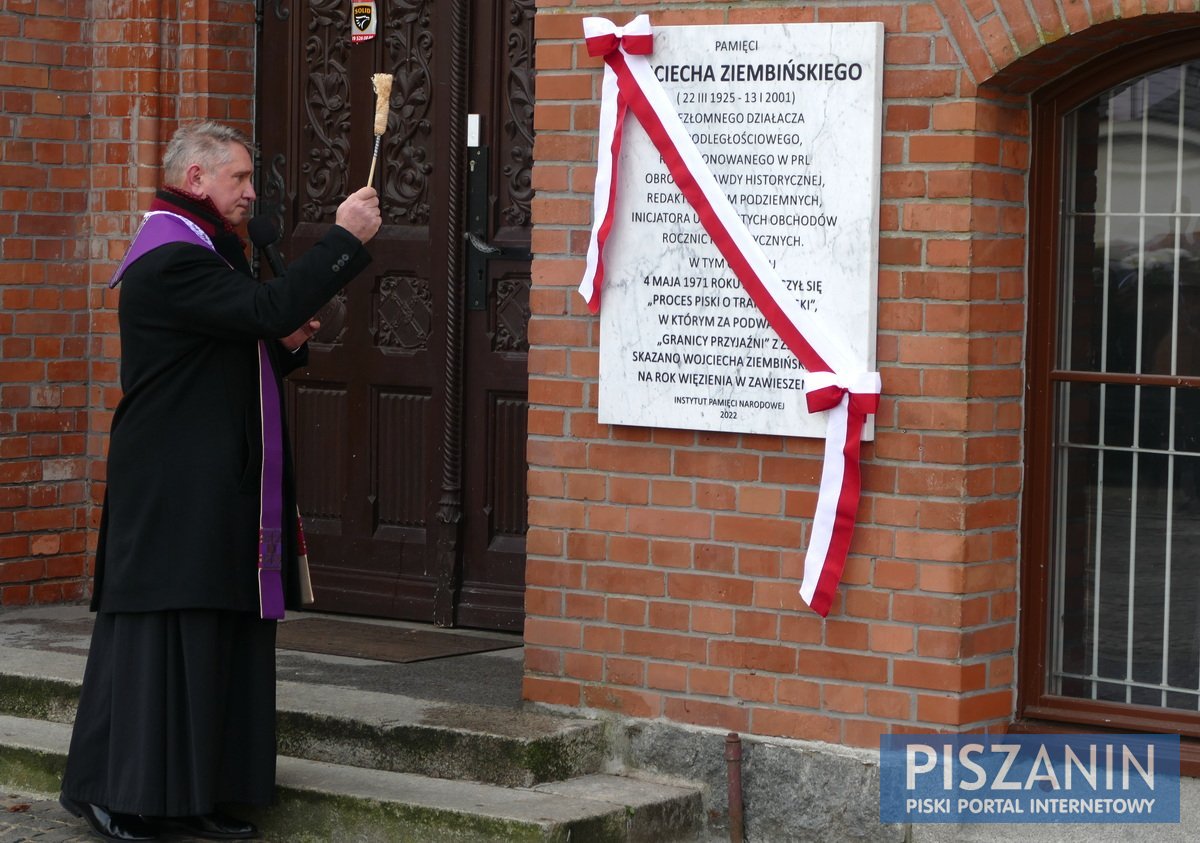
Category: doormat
<point>383,643</point>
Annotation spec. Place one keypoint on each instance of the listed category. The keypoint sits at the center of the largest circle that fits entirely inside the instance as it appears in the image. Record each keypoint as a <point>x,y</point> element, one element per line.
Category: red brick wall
<point>44,199</point>
<point>89,91</point>
<point>664,564</point>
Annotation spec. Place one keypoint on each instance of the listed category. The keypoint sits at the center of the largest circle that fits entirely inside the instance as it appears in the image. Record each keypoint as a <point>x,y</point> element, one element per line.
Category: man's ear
<point>193,179</point>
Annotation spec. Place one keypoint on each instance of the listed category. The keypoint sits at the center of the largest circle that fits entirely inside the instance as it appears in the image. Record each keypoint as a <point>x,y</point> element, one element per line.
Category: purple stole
<point>158,229</point>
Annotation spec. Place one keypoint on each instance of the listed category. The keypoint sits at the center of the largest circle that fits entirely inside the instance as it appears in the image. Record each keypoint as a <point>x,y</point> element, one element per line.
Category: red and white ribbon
<point>835,383</point>
<point>848,403</point>
<point>605,39</point>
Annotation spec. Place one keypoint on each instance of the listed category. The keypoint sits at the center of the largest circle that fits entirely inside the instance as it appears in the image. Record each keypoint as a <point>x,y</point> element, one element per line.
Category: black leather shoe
<point>213,827</point>
<point>110,824</point>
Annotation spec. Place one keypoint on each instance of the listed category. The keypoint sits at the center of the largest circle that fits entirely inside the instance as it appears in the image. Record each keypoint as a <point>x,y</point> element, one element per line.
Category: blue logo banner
<point>1029,778</point>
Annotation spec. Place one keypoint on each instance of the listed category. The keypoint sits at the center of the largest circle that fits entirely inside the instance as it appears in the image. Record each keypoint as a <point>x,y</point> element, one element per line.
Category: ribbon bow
<point>825,390</point>
<point>604,37</point>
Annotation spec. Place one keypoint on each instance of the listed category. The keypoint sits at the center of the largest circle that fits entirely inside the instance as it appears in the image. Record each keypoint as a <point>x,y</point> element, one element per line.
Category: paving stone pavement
<point>38,817</point>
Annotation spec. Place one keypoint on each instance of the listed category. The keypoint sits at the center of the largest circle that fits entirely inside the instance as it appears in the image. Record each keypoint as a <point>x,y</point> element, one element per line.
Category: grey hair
<point>206,143</point>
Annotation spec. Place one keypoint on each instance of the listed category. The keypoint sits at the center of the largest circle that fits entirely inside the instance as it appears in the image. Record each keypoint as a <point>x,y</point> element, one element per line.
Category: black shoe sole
<point>75,810</point>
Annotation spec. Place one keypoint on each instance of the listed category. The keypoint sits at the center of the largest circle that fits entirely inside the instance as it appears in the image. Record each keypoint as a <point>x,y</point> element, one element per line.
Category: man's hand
<point>301,335</point>
<point>359,214</point>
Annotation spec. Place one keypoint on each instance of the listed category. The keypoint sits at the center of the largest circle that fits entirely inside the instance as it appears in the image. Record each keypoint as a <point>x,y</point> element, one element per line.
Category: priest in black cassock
<point>200,544</point>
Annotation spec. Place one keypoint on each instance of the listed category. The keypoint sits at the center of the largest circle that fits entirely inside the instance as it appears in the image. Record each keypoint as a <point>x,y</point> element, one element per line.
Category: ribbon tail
<point>604,200</point>
<point>837,508</point>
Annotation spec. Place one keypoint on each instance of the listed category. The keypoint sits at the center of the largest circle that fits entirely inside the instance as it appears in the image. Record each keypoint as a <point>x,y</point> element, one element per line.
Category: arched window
<point>1111,580</point>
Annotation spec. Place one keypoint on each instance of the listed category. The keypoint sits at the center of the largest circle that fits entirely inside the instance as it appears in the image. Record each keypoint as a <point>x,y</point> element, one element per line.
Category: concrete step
<point>319,801</point>
<point>515,748</point>
<point>354,727</point>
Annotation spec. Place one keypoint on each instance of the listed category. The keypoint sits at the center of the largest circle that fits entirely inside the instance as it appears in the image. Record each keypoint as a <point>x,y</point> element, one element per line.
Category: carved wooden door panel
<point>408,424</point>
<point>497,315</point>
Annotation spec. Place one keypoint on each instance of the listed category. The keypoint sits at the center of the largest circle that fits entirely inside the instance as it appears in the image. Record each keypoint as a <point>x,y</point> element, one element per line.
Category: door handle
<point>479,246</point>
<point>479,253</point>
<point>488,251</point>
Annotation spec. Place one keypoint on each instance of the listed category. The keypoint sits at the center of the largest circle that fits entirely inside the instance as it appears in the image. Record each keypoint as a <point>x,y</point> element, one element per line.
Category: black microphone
<point>264,234</point>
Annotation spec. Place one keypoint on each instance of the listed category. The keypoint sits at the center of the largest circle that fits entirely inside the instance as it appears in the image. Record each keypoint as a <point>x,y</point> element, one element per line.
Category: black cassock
<point>177,713</point>
<point>177,710</point>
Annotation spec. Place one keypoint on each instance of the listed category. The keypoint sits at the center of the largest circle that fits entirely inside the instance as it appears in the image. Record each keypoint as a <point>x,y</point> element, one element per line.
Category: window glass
<point>1131,249</point>
<point>1189,182</point>
<point>1128,583</point>
<point>1125,537</point>
<point>1082,403</point>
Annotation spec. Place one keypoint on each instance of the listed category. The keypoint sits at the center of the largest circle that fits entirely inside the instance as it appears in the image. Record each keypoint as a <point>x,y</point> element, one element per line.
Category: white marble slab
<point>682,345</point>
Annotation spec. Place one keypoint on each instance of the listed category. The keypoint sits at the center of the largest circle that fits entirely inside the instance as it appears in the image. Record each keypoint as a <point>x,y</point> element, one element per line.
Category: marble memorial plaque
<point>788,119</point>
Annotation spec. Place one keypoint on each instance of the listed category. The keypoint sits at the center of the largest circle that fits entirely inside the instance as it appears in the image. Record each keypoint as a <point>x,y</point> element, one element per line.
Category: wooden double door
<point>408,425</point>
